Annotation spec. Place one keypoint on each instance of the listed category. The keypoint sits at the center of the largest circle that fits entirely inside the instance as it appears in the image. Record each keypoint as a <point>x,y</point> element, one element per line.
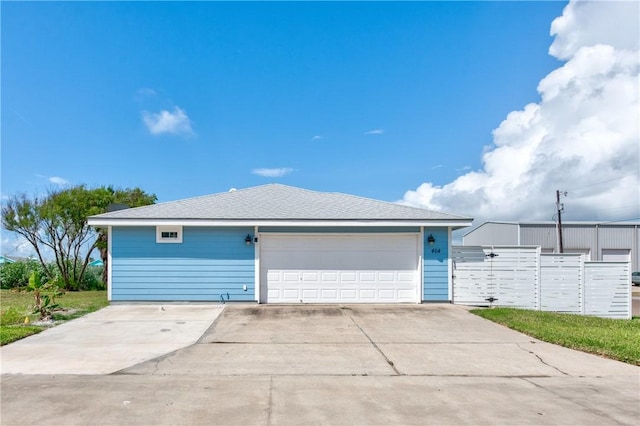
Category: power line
<point>621,220</point>
<point>604,181</point>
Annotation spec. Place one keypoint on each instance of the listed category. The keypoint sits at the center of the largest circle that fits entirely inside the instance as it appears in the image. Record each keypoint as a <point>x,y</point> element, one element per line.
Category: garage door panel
<point>348,294</point>
<point>329,294</point>
<point>348,276</point>
<point>406,276</point>
<point>310,294</point>
<point>288,276</point>
<point>329,277</point>
<point>367,276</point>
<point>386,276</point>
<point>330,269</point>
<point>405,294</point>
<point>309,276</point>
<point>368,294</point>
<point>290,293</point>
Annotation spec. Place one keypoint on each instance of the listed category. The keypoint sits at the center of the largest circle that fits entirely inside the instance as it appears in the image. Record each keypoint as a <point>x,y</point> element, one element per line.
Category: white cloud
<point>145,91</point>
<point>316,138</point>
<point>583,24</point>
<point>374,132</point>
<point>173,122</point>
<point>56,180</point>
<point>144,94</point>
<point>277,172</point>
<point>581,137</point>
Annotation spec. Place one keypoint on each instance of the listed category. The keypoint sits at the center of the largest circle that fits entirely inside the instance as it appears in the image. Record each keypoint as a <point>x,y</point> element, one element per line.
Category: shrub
<point>92,279</point>
<point>17,274</point>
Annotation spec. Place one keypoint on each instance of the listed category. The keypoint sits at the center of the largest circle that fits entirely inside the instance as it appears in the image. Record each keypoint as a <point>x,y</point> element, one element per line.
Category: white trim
<point>539,283</point>
<point>160,229</point>
<point>109,263</point>
<point>421,264</point>
<point>319,223</point>
<point>629,294</point>
<point>256,264</point>
<point>449,265</point>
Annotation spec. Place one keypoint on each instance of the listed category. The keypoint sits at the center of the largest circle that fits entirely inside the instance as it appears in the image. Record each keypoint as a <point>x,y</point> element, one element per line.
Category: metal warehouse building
<point>618,241</point>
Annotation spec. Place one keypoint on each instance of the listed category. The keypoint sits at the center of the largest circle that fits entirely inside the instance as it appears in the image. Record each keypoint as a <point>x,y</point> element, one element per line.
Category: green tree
<point>58,221</point>
<point>125,198</point>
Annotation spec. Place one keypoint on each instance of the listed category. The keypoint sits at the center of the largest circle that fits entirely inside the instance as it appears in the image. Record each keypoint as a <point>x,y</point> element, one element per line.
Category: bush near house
<point>16,275</point>
<point>613,338</point>
<point>18,305</point>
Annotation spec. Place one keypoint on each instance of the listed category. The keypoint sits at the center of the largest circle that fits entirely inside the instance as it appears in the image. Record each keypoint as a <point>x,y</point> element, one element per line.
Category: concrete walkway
<point>409,364</point>
<point>109,340</point>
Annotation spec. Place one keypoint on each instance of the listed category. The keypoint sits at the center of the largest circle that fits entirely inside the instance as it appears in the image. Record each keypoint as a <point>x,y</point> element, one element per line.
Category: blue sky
<point>364,98</point>
<point>412,102</point>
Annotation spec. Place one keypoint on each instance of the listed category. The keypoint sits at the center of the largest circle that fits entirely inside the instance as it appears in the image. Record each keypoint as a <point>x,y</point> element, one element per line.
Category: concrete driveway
<point>410,364</point>
<point>109,340</point>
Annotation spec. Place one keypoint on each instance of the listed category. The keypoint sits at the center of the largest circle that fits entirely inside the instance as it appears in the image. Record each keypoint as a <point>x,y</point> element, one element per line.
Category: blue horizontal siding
<point>436,267</point>
<point>209,264</point>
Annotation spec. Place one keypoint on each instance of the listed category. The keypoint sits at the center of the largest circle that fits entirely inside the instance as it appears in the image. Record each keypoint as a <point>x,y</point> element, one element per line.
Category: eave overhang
<point>445,223</point>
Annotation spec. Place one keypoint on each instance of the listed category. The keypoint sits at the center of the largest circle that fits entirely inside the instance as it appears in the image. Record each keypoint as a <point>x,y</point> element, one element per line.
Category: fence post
<point>582,284</point>
<point>539,279</point>
<point>630,293</point>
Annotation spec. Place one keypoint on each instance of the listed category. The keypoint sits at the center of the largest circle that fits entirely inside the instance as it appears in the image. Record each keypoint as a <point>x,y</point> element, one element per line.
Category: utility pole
<point>560,208</point>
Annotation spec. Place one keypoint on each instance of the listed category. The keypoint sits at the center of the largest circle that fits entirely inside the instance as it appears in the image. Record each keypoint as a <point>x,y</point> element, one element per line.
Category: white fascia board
<point>450,265</point>
<point>252,223</point>
<point>109,264</point>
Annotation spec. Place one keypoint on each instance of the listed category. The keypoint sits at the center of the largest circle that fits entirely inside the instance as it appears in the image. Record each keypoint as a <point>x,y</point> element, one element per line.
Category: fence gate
<point>506,276</point>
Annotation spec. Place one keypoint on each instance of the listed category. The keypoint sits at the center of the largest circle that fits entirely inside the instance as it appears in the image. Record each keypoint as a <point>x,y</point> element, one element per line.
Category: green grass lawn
<point>16,306</point>
<point>612,338</point>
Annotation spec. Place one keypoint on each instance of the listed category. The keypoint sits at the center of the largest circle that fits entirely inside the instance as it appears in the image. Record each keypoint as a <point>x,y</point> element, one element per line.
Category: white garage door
<point>616,255</point>
<point>380,268</point>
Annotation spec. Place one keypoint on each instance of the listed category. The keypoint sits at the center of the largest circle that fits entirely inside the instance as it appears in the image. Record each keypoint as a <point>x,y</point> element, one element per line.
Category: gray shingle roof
<point>279,202</point>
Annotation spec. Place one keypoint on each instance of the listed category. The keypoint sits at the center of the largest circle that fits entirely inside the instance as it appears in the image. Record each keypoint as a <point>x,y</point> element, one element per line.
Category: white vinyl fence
<point>522,277</point>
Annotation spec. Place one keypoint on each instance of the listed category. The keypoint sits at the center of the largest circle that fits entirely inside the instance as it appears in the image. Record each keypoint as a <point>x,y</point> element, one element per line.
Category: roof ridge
<point>395,204</point>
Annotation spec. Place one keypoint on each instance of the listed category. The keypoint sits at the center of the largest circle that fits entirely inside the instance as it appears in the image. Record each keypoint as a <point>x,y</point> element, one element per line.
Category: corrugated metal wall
<point>538,235</point>
<point>492,234</point>
<point>576,237</point>
<point>610,237</point>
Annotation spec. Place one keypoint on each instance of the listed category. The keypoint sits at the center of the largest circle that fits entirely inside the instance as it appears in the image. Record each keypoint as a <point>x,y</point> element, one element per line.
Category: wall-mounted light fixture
<point>431,239</point>
<point>248,240</point>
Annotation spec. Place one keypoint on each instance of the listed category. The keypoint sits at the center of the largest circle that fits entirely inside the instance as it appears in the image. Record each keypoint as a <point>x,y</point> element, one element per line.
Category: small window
<point>168,234</point>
